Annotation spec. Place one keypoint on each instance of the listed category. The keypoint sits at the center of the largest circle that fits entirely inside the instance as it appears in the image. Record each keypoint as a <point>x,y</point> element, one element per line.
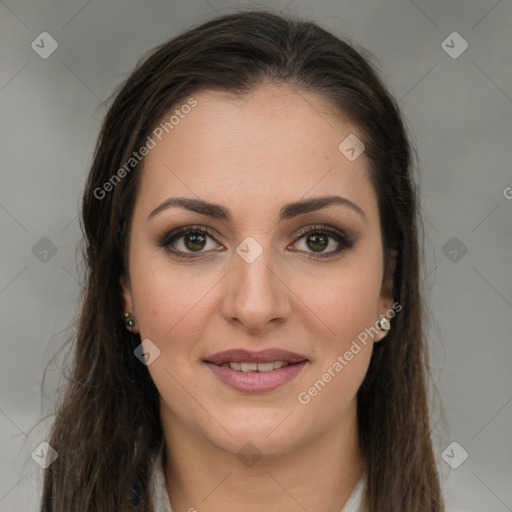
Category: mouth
<point>256,371</point>
<point>255,367</point>
<point>246,357</point>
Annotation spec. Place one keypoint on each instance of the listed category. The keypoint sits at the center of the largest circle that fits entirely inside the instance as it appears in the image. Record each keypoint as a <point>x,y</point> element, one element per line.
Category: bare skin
<point>253,155</point>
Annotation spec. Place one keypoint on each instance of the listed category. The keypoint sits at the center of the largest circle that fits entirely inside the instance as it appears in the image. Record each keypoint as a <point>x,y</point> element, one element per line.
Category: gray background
<point>459,111</point>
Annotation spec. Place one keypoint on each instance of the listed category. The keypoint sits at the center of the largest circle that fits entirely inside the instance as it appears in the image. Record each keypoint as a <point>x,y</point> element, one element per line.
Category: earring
<point>129,321</point>
<point>383,323</point>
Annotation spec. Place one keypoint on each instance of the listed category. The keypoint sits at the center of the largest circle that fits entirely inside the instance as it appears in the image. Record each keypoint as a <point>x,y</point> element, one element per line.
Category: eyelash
<point>343,240</point>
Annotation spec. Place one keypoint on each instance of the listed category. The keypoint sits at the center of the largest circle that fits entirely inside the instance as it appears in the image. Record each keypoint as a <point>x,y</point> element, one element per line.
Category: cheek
<point>343,358</point>
<point>347,299</point>
<point>169,300</point>
<point>347,303</point>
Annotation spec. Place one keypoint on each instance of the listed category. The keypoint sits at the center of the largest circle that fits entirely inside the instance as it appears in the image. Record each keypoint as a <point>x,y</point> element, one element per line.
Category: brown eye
<point>317,242</point>
<point>185,241</point>
<point>194,242</point>
<point>317,239</point>
<point>323,240</point>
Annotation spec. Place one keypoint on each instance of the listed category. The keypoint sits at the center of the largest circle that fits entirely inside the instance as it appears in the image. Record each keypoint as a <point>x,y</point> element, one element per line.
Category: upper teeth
<point>255,367</point>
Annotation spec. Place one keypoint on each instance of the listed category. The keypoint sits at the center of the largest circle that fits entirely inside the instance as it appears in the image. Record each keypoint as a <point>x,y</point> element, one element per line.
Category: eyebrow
<point>288,211</point>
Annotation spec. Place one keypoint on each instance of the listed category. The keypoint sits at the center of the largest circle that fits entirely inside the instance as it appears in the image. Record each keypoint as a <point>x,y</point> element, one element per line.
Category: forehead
<point>274,145</point>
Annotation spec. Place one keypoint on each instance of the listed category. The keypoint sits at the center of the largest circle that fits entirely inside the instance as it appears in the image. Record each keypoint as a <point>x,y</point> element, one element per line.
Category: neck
<point>318,475</point>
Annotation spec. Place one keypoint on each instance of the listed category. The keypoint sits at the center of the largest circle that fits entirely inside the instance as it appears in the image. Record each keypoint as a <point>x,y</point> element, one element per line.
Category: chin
<point>257,445</point>
<point>265,435</point>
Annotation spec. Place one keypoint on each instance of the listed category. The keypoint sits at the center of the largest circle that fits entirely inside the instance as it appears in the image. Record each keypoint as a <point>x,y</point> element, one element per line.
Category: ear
<point>386,299</point>
<point>127,298</point>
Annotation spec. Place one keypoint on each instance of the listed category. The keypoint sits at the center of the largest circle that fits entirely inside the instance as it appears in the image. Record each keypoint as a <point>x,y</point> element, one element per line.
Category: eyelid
<point>179,232</point>
<point>343,239</point>
<point>327,228</point>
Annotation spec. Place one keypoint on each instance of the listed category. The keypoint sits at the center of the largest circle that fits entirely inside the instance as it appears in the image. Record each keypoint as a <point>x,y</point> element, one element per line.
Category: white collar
<point>161,503</point>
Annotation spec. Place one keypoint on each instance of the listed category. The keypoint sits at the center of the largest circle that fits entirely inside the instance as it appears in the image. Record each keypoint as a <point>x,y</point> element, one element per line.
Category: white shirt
<point>161,501</point>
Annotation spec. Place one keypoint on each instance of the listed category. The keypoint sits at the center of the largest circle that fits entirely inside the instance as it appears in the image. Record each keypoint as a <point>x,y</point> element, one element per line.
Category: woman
<point>251,330</point>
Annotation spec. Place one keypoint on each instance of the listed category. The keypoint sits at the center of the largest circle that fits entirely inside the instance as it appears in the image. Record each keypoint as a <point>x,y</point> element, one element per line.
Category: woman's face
<point>254,281</point>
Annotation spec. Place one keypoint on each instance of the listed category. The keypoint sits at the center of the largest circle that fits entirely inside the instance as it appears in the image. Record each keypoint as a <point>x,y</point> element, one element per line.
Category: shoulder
<point>158,492</point>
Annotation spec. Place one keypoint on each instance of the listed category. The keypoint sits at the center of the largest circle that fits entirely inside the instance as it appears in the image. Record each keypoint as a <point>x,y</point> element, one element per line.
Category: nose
<point>256,295</point>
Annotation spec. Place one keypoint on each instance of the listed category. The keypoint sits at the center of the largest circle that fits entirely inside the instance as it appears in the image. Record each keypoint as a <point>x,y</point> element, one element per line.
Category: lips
<point>263,356</point>
<point>251,372</point>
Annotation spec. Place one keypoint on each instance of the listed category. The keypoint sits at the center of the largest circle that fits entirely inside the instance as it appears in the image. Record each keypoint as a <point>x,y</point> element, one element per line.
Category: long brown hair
<point>107,426</point>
